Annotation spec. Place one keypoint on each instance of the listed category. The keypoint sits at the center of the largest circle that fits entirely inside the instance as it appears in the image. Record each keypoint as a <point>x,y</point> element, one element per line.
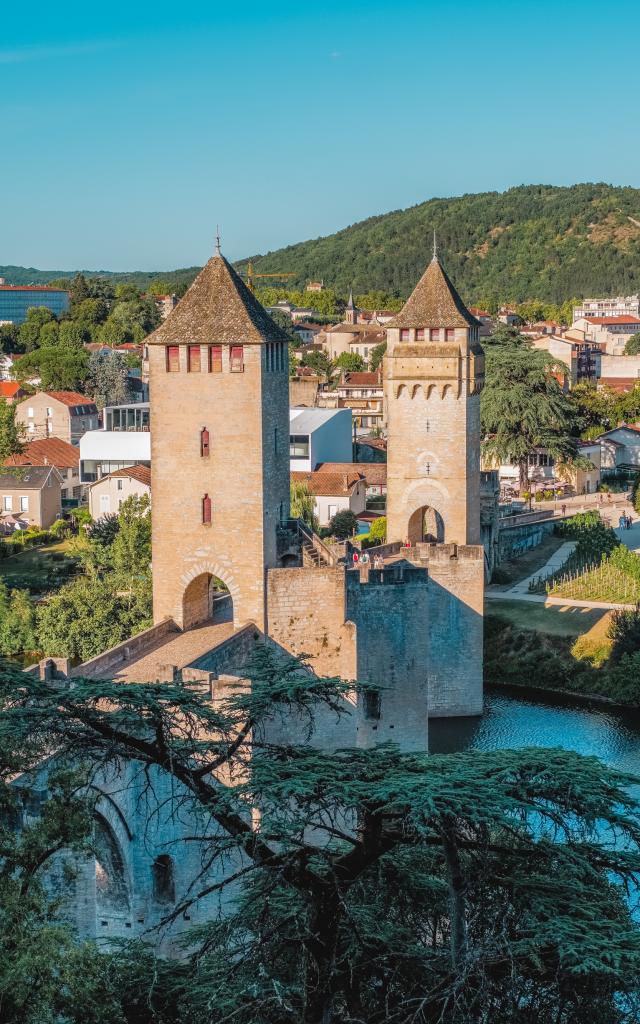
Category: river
<point>513,721</point>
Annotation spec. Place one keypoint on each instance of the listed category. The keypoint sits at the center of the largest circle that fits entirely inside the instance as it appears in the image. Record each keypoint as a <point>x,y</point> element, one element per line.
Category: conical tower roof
<point>218,307</point>
<point>434,302</point>
<point>350,303</point>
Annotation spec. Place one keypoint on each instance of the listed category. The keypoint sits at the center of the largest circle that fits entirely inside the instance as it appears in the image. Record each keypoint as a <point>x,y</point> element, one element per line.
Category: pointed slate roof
<point>218,307</point>
<point>350,303</point>
<point>434,302</point>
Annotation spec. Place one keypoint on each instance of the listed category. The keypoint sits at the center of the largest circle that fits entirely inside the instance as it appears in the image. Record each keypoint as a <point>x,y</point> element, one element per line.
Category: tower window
<point>405,334</point>
<point>193,358</point>
<point>420,334</point>
<point>173,359</point>
<point>237,361</point>
<point>164,889</point>
<point>206,510</point>
<point>449,334</point>
<point>215,358</point>
<point>372,704</point>
<point>434,334</point>
<point>204,443</point>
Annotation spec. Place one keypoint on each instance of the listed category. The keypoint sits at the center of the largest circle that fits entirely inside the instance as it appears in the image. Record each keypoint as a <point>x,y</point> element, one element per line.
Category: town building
<point>17,300</point>
<point>319,435</point>
<point>620,373</point>
<point>11,391</point>
<point>621,305</point>
<point>53,451</point>
<point>333,492</point>
<point>107,494</point>
<point>620,449</point>
<point>358,339</point>
<point>315,286</point>
<point>363,393</point>
<point>7,359</point>
<point>165,303</point>
<point>122,441</point>
<point>485,320</point>
<point>611,331</point>
<point>64,414</point>
<point>29,497</point>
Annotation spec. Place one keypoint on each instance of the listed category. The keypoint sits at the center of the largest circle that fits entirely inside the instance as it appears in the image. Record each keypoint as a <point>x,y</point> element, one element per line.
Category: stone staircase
<point>312,556</point>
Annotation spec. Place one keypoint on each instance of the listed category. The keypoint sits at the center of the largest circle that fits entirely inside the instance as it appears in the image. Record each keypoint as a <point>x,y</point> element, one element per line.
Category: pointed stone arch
<point>431,390</point>
<point>417,390</point>
<point>196,598</point>
<point>401,390</point>
<point>447,390</point>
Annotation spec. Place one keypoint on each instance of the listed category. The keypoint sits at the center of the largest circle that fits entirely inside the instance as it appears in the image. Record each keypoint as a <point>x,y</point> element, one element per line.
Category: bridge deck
<point>178,649</point>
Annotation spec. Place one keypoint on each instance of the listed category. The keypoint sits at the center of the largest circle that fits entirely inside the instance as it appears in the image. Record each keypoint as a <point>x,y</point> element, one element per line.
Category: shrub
<point>343,524</point>
<point>60,529</point>
<point>378,531</point>
<point>624,631</point>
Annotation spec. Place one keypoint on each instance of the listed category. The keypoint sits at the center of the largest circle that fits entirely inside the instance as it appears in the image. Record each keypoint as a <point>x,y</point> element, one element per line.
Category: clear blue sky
<point>129,129</point>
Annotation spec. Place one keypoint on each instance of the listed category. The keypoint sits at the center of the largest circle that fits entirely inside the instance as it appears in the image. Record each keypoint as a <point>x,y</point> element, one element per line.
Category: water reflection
<point>511,721</point>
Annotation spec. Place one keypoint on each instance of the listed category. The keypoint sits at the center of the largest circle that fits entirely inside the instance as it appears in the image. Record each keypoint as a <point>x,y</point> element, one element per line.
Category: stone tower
<point>218,369</point>
<point>434,369</point>
<point>350,313</point>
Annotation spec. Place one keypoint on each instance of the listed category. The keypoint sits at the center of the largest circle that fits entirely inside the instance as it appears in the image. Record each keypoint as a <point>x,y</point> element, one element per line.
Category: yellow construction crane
<point>251,277</point>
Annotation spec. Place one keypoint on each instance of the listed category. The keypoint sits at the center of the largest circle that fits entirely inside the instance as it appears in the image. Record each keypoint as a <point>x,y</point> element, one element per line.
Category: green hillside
<point>535,241</point>
<point>531,242</point>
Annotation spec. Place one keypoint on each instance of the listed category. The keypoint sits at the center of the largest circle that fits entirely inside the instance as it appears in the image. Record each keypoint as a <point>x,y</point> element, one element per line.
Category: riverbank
<point>582,667</point>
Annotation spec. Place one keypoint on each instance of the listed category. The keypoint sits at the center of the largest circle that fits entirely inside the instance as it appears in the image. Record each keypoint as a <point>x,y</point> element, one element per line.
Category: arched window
<point>206,510</point>
<point>204,443</point>
<point>164,886</point>
<point>112,892</point>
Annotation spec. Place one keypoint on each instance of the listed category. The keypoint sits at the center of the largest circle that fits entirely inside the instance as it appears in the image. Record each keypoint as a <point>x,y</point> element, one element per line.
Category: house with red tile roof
<point>334,492</point>
<point>64,414</point>
<point>107,494</point>
<point>53,451</point>
<point>11,391</point>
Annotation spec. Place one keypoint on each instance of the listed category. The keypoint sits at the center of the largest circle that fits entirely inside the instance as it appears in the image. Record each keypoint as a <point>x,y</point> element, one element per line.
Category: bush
<point>378,531</point>
<point>343,524</point>
<point>624,632</point>
<point>60,529</point>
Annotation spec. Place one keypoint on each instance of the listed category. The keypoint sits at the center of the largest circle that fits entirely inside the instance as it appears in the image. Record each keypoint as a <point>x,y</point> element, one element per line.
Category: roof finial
<point>217,239</point>
<point>435,245</point>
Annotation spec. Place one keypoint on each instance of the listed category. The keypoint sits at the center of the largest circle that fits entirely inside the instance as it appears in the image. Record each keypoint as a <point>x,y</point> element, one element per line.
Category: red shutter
<point>173,359</point>
<point>204,442</point>
<point>237,364</point>
<point>215,358</point>
<point>193,352</point>
<point>450,334</point>
<point>206,510</point>
<point>434,334</point>
<point>404,334</point>
<point>420,334</point>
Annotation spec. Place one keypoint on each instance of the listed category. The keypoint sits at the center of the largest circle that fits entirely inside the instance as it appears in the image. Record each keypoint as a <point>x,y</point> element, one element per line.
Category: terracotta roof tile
<point>48,451</point>
<point>218,307</point>
<point>614,320</point>
<point>332,484</point>
<point>361,379</point>
<point>70,398</point>
<point>9,388</point>
<point>140,473</point>
<point>434,302</point>
<point>375,473</point>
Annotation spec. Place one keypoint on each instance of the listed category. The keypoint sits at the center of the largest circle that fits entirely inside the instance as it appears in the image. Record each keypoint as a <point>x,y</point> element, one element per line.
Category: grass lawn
<point>530,562</point>
<point>557,620</point>
<point>38,569</point>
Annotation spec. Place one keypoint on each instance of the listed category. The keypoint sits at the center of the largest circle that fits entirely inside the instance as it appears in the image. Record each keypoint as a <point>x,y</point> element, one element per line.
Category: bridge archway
<point>206,598</point>
<point>426,525</point>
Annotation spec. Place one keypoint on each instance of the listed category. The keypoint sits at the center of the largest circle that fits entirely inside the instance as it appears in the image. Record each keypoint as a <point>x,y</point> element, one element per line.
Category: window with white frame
<point>24,503</point>
<point>7,503</point>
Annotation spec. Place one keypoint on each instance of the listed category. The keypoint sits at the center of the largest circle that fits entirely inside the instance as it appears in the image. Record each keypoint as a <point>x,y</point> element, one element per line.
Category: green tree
<point>378,531</point>
<point>303,504</point>
<point>12,434</point>
<point>488,886</point>
<point>343,524</point>
<point>37,317</point>
<point>91,312</point>
<point>132,544</point>
<point>107,379</point>
<point>17,621</point>
<point>524,408</point>
<point>10,338</point>
<point>127,293</point>
<point>49,334</point>
<point>377,355</point>
<point>632,348</point>
<point>350,361</point>
<point>59,368</point>
<point>73,334</point>
<point>318,361</point>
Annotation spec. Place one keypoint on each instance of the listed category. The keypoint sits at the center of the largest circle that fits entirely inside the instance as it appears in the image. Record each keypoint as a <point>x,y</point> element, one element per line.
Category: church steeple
<point>351,312</point>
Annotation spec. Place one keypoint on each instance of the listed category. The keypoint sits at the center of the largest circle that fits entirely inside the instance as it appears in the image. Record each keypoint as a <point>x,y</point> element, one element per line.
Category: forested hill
<point>535,241</point>
<point>532,242</point>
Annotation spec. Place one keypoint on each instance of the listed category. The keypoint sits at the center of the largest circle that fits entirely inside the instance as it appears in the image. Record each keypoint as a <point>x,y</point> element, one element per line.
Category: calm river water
<point>517,722</point>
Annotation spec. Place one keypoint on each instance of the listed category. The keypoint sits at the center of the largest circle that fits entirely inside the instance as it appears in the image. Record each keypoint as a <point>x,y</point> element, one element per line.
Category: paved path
<point>179,650</point>
<point>556,561</point>
<point>564,602</point>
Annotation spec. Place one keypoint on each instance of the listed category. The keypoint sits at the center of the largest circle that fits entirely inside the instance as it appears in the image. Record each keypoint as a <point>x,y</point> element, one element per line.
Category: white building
<point>334,492</point>
<point>107,494</point>
<point>319,435</point>
<point>621,305</point>
<point>123,441</point>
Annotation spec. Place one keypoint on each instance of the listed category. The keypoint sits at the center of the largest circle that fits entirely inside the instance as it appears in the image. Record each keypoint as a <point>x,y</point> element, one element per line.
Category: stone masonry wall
<point>456,595</point>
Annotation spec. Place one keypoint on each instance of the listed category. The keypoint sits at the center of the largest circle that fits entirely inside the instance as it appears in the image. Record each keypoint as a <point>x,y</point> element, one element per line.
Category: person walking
<point>563,509</point>
<point>622,522</point>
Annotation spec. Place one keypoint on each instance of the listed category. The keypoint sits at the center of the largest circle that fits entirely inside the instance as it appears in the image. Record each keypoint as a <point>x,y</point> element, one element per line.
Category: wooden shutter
<point>204,443</point>
<point>193,352</point>
<point>215,358</point>
<point>173,359</point>
<point>237,364</point>
<point>450,334</point>
<point>206,510</point>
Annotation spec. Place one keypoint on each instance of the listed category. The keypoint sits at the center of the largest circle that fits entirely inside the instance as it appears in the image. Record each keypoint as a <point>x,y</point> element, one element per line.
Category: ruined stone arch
<point>113,888</point>
<point>196,599</point>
